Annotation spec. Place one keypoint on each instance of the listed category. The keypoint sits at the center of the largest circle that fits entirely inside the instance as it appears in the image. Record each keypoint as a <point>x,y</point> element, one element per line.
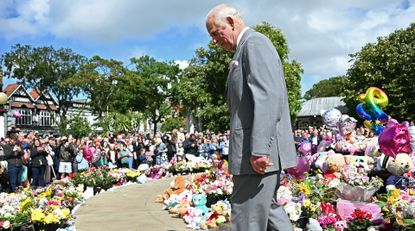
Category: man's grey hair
<point>222,11</point>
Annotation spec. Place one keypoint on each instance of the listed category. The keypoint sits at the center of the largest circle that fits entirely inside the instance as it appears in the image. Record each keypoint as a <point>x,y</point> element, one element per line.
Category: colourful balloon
<point>395,139</point>
<point>17,114</point>
<point>305,148</point>
<point>347,125</point>
<point>411,130</point>
<point>373,101</point>
<point>302,167</point>
<point>376,126</point>
<point>331,117</point>
<point>96,156</point>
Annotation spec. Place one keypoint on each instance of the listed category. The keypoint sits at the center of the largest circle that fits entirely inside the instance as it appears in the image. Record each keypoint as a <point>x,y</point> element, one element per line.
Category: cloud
<point>182,63</point>
<point>321,34</point>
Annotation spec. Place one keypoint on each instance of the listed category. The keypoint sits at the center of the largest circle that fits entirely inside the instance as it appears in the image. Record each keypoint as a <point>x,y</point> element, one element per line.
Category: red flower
<point>327,208</point>
<point>71,175</point>
<point>361,215</point>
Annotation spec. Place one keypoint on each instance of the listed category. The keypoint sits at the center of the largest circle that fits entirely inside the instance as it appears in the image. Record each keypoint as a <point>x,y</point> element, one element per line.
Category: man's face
<point>221,34</point>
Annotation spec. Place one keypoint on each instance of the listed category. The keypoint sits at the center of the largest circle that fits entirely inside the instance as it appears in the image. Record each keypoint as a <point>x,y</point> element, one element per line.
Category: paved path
<point>128,208</point>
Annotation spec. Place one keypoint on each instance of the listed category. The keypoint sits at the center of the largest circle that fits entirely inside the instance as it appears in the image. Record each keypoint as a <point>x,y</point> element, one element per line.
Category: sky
<point>320,33</point>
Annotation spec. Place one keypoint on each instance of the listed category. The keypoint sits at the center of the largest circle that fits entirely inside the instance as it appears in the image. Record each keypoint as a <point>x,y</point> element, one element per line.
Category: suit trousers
<point>254,204</point>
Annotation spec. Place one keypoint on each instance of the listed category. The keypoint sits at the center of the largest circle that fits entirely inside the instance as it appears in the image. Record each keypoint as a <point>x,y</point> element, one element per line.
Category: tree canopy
<point>334,86</point>
<point>46,69</point>
<point>388,64</point>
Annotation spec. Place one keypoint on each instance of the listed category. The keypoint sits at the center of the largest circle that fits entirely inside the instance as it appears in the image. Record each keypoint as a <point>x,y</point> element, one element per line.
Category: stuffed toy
<point>401,169</point>
<point>360,163</point>
<point>335,163</point>
<point>182,203</point>
<point>318,160</point>
<point>176,187</point>
<point>199,202</point>
<point>220,215</point>
<point>400,165</point>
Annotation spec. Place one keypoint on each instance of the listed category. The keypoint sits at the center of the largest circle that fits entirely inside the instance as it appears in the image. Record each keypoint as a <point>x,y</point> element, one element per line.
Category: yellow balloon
<point>3,98</point>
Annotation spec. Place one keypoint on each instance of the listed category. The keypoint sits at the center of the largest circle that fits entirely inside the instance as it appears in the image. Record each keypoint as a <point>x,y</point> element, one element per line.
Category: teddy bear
<point>183,203</point>
<point>335,163</point>
<point>220,215</point>
<point>401,169</point>
<point>199,202</point>
<point>176,187</point>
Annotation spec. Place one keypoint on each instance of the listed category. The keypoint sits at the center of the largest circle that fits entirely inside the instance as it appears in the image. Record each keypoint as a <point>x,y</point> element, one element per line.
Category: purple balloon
<point>305,148</point>
<point>302,167</point>
<point>395,139</point>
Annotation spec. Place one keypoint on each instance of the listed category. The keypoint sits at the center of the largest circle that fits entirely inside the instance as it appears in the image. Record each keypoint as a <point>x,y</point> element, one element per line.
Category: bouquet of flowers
<point>358,186</point>
<point>398,208</point>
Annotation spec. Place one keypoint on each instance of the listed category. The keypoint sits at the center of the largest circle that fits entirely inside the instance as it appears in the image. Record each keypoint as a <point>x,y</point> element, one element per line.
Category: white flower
<point>6,224</point>
<point>334,183</point>
<point>293,210</point>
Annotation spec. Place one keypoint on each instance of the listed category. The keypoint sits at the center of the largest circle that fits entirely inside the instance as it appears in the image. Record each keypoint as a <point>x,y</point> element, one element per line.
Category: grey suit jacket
<point>256,95</point>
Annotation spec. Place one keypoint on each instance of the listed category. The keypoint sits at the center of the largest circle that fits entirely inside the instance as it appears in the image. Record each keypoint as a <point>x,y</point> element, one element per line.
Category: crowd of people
<point>31,158</point>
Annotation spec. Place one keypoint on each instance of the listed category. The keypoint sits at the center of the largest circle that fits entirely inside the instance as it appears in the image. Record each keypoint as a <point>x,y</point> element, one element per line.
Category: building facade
<point>38,111</point>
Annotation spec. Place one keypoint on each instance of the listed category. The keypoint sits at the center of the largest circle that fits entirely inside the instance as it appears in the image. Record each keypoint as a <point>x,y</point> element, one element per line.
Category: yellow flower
<point>411,192</point>
<point>391,200</point>
<point>66,213</point>
<point>307,203</point>
<point>396,193</point>
<point>37,215</point>
<point>304,188</point>
<point>51,219</point>
<point>24,203</point>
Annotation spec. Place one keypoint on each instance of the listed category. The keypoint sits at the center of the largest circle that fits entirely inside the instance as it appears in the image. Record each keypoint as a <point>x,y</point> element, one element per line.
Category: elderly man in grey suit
<point>261,140</point>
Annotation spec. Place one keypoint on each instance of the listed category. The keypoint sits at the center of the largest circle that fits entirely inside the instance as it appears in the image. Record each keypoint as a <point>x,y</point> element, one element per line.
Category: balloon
<point>411,130</point>
<point>96,156</point>
<point>302,167</point>
<point>331,117</point>
<point>371,109</point>
<point>3,98</point>
<point>395,139</point>
<point>305,148</point>
<point>376,126</point>
<point>17,114</point>
<point>374,100</point>
<point>347,125</point>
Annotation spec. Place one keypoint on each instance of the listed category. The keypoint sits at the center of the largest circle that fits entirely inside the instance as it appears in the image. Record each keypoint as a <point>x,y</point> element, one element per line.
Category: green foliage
<point>173,123</point>
<point>390,65</point>
<point>334,86</point>
<point>46,69</point>
<point>103,81</point>
<point>79,126</point>
<point>120,122</point>
<point>154,94</point>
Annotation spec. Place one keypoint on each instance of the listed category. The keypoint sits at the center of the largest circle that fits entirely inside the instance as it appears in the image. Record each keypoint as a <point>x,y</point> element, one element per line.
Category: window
<point>25,118</point>
<point>45,118</point>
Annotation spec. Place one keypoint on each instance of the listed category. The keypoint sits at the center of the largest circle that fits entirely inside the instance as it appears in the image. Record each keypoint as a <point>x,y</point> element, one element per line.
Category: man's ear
<point>231,22</point>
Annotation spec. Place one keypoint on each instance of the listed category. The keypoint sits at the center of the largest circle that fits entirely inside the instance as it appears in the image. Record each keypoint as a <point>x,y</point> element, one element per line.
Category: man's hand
<point>260,163</point>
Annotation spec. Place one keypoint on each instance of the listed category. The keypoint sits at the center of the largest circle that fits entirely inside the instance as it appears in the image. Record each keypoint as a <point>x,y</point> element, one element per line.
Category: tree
<point>388,64</point>
<point>154,94</point>
<point>172,123</point>
<point>208,70</point>
<point>334,86</point>
<point>120,122</point>
<point>104,82</point>
<point>46,69</point>
<point>78,127</point>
